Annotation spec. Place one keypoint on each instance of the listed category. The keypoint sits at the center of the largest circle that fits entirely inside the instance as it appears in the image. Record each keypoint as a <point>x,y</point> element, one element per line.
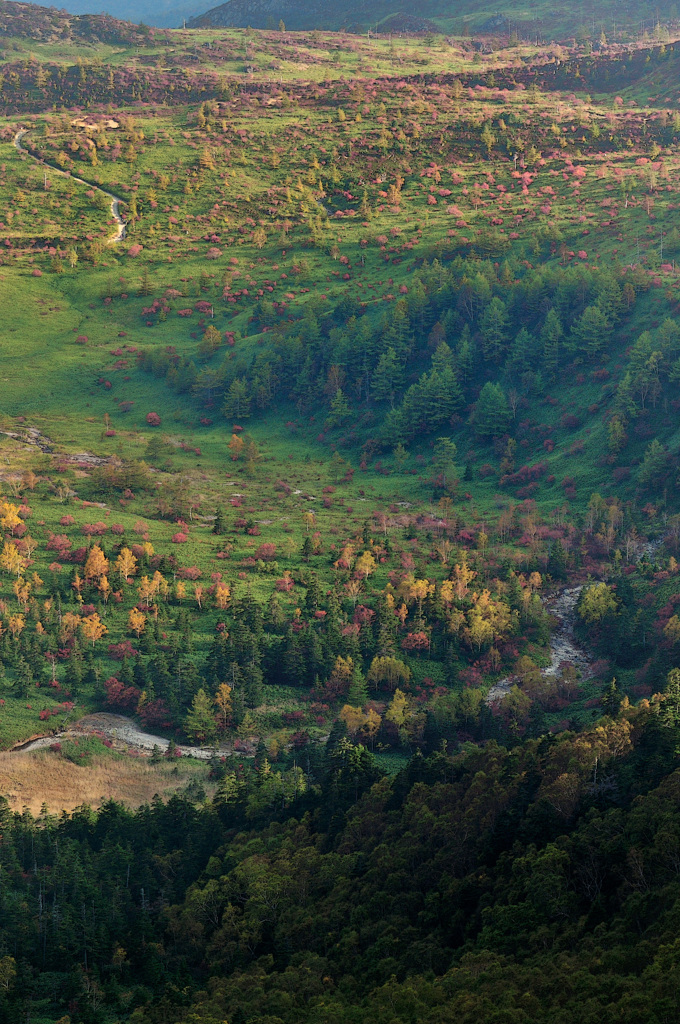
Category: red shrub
<point>416,642</point>
<point>60,543</point>
<point>267,552</point>
<point>190,572</point>
<point>94,529</point>
<point>118,695</point>
<point>156,714</point>
<point>122,650</point>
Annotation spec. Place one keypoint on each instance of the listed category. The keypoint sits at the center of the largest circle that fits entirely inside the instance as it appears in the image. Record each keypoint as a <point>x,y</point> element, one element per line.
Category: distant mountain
<point>47,24</point>
<point>158,13</point>
<point>389,15</point>
<point>452,16</point>
<point>311,14</point>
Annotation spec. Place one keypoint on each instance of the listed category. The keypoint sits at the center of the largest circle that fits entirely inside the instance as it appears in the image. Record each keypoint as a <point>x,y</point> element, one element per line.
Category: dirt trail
<point>115,200</point>
<point>121,730</point>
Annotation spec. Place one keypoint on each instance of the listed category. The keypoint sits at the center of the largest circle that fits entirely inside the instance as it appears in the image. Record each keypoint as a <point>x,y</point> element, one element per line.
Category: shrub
<point>118,695</point>
<point>122,650</point>
<point>190,572</point>
<point>267,552</point>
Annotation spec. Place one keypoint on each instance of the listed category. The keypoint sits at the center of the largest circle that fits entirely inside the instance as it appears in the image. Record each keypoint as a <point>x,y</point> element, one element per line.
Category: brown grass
<point>43,777</point>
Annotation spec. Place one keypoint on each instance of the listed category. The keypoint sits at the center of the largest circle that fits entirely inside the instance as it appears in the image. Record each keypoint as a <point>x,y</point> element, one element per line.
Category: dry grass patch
<point>44,777</point>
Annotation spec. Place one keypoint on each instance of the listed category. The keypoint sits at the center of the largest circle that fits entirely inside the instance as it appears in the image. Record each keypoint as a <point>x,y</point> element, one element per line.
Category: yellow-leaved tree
<point>16,624</point>
<point>126,564</point>
<point>97,564</point>
<point>9,516</point>
<point>388,671</point>
<point>10,559</point>
<point>223,705</point>
<point>93,628</point>
<point>364,565</point>
<point>136,621</point>
<point>462,578</point>
<point>398,710</point>
<point>596,602</point>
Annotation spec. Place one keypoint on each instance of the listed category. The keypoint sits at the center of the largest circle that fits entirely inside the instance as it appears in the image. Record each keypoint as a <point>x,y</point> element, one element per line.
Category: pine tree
<point>492,415</point>
<point>465,357</point>
<point>557,561</point>
<point>591,332</point>
<point>522,352</point>
<point>219,524</point>
<point>340,410</point>
<point>237,402</point>
<point>443,358</point>
<point>357,694</point>
<point>388,377</point>
<point>551,336</point>
<point>611,699</point>
<point>200,722</point>
<point>653,465</point>
<point>444,458</point>
<point>669,710</point>
<point>493,325</point>
<point>397,331</point>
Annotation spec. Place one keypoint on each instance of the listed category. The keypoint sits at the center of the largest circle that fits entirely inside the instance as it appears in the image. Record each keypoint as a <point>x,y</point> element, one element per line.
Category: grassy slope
<point>51,381</point>
<point>44,778</point>
<point>553,21</point>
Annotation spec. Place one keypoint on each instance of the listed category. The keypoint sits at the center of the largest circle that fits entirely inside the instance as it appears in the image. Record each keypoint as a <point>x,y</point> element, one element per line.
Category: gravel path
<point>122,730</point>
<point>115,200</point>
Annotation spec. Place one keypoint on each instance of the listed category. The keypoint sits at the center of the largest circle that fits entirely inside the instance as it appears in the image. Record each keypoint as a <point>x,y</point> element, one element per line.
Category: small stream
<point>563,644</point>
<point>564,647</point>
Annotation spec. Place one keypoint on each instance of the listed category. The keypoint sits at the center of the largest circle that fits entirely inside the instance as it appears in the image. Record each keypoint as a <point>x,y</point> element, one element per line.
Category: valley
<point>339,515</point>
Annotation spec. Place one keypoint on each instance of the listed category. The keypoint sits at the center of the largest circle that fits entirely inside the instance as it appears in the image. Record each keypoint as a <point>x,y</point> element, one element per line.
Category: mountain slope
<point>47,24</point>
<point>350,14</point>
<point>159,13</point>
<point>453,16</point>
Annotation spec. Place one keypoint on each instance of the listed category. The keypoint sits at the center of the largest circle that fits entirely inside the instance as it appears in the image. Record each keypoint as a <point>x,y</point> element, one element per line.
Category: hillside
<point>339,518</point>
<point>535,20</point>
<point>386,354</point>
<point>386,16</point>
<point>536,884</point>
<point>29,21</point>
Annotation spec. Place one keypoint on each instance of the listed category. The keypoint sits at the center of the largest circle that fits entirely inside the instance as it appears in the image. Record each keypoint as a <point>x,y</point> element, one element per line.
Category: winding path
<point>116,201</point>
<point>120,730</point>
